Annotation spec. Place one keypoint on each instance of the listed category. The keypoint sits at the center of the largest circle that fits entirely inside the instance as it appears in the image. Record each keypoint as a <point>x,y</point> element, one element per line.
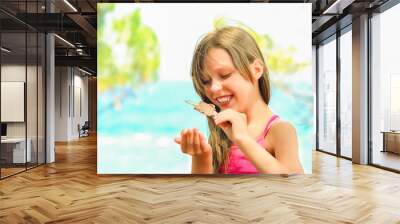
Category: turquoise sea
<point>136,129</point>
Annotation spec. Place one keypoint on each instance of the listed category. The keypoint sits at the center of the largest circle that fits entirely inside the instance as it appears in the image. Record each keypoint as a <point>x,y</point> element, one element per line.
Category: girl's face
<point>225,86</point>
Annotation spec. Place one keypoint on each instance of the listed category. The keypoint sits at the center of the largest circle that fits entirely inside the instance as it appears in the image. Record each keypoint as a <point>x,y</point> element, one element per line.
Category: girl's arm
<point>202,164</point>
<point>283,139</point>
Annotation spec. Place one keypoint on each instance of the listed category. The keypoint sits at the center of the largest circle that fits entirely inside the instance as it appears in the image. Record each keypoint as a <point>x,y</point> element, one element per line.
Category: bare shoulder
<point>284,145</point>
<point>281,127</point>
<point>280,134</point>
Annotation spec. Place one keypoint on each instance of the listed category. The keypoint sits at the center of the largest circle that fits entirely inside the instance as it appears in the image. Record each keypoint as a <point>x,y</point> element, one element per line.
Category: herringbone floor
<point>70,191</point>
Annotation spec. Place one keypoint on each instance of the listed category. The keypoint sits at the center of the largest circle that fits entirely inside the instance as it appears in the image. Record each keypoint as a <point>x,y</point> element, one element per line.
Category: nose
<point>215,86</point>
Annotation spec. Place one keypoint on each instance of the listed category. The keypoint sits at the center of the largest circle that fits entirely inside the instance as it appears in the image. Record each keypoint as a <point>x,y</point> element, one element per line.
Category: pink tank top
<point>237,161</point>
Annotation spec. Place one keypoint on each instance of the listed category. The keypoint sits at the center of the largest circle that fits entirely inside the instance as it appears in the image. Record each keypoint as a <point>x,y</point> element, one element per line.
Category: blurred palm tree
<point>137,47</point>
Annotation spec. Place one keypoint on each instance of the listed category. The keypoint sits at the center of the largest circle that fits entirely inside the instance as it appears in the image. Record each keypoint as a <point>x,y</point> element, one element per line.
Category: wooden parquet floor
<point>70,191</point>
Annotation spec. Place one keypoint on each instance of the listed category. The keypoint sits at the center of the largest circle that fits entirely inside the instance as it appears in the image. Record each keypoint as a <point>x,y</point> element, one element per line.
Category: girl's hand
<point>193,143</point>
<point>233,123</point>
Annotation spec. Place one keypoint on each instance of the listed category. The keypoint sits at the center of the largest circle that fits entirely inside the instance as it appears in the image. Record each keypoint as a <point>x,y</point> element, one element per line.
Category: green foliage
<point>105,64</point>
<point>141,60</point>
<point>281,62</point>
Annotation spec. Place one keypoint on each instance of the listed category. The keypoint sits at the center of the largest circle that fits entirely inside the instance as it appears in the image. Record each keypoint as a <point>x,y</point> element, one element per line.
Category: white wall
<point>71,94</point>
<point>12,101</point>
<point>33,126</point>
<point>62,81</point>
<point>12,73</point>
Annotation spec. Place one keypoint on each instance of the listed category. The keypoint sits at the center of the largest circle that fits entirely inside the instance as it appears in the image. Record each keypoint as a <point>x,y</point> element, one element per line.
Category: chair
<point>84,130</point>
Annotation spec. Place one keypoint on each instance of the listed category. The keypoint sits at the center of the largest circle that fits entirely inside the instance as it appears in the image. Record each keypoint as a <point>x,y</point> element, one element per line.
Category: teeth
<point>224,99</point>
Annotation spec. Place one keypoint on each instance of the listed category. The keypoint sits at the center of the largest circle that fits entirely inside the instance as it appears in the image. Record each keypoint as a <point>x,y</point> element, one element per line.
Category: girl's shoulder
<point>279,132</point>
<point>280,124</point>
<point>281,127</point>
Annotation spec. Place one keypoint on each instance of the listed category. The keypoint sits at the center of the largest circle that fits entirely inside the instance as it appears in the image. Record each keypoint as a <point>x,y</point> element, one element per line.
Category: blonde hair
<point>243,50</point>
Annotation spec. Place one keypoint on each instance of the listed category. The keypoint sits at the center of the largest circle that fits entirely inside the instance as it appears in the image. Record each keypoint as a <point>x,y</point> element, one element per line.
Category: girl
<point>229,71</point>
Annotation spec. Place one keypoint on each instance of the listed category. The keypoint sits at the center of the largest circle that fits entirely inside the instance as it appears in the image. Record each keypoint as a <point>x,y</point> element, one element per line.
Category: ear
<point>257,68</point>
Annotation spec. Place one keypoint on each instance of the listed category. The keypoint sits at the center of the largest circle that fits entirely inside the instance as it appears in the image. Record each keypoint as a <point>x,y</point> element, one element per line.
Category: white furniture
<point>18,149</point>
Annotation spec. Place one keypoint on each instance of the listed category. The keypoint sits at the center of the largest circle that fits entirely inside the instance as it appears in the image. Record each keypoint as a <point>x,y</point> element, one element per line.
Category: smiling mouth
<point>224,100</point>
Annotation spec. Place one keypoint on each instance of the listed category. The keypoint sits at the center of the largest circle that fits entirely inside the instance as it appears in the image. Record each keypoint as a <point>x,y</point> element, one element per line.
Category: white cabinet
<point>18,149</point>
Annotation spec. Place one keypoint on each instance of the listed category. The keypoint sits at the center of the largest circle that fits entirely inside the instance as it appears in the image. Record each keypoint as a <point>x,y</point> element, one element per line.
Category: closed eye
<point>226,75</point>
<point>205,82</point>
